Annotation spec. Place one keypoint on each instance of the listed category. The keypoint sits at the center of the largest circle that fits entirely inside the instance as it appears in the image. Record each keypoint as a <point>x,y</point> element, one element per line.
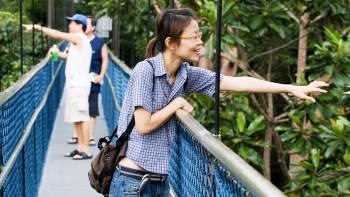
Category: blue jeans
<point>126,186</point>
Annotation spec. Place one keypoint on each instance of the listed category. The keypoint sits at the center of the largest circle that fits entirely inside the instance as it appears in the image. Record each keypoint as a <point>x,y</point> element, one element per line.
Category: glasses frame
<point>193,38</point>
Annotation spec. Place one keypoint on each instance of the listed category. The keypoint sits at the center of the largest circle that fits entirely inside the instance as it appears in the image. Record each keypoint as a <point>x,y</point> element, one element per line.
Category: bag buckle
<point>102,142</point>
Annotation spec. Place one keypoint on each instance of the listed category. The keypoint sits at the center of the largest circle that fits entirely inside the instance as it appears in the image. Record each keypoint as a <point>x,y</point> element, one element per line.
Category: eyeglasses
<point>193,38</point>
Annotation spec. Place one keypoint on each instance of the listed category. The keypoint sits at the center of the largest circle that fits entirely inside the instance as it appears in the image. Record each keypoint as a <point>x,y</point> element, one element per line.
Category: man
<point>78,55</point>
<point>98,68</point>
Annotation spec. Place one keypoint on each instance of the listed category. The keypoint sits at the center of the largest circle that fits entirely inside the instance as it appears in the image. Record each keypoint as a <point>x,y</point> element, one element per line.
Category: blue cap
<point>78,17</point>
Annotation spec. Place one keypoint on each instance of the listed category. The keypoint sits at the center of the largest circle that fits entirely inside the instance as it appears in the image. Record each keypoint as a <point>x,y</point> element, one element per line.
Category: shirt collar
<point>160,70</point>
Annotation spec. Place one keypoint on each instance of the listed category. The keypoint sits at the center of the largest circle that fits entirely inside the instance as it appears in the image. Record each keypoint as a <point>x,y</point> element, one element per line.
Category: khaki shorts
<point>77,105</point>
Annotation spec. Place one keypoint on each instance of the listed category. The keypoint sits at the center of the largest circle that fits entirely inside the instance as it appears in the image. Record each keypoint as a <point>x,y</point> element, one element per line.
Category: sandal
<point>73,140</point>
<point>92,142</point>
<point>72,154</point>
<point>82,156</point>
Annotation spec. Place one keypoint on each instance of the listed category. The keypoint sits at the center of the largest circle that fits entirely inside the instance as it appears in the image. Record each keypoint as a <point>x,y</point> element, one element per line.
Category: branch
<point>157,6</point>
<point>280,154</point>
<point>259,108</point>
<point>177,4</point>
<point>281,121</point>
<point>290,14</point>
<point>276,49</point>
<point>319,17</point>
<point>281,116</point>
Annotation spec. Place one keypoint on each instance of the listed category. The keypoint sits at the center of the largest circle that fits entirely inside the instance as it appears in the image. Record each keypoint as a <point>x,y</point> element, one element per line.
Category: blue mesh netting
<point>227,185</point>
<point>195,172</point>
<point>190,173</point>
<point>14,185</point>
<point>24,177</point>
<point>119,81</point>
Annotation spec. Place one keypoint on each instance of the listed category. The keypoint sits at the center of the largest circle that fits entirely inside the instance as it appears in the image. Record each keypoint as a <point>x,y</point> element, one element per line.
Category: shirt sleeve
<point>201,81</point>
<point>143,85</point>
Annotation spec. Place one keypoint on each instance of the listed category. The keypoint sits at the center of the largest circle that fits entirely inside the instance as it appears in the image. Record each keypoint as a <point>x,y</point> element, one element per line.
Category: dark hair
<point>93,20</point>
<point>84,26</point>
<point>169,23</point>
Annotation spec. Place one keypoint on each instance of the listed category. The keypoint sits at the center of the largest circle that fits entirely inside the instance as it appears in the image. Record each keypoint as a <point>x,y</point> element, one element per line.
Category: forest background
<point>301,147</point>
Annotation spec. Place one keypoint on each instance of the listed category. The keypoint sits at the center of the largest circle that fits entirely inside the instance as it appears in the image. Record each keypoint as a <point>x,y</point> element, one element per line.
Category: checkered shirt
<point>151,88</point>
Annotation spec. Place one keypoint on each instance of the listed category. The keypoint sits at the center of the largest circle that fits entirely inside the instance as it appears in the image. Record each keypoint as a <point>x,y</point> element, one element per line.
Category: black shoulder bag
<point>105,162</point>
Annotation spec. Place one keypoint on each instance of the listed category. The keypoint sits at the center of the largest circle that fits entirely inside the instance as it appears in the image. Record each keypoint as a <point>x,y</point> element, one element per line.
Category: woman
<point>156,89</point>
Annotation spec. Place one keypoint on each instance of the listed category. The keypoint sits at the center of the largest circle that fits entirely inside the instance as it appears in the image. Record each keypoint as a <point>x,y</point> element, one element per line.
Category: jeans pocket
<point>124,186</point>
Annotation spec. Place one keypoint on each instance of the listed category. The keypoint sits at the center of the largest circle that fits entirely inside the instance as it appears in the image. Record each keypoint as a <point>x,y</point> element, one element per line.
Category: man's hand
<point>98,79</point>
<point>30,27</point>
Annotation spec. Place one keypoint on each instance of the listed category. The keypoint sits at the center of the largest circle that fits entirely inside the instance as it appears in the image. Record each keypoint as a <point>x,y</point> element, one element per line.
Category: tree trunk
<point>269,129</point>
<point>302,51</point>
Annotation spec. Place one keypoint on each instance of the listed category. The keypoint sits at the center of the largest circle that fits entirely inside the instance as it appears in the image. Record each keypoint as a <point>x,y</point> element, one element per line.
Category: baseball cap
<point>78,17</point>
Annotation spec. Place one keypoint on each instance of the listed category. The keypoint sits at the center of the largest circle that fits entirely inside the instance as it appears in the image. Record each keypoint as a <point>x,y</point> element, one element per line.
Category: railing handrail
<point>256,184</point>
<point>120,63</point>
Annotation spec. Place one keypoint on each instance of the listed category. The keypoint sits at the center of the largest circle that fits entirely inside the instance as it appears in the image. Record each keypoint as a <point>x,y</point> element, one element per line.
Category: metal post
<point>21,33</point>
<point>41,33</point>
<point>148,21</point>
<point>172,4</point>
<point>133,35</point>
<point>33,36</point>
<point>217,68</point>
<point>123,30</point>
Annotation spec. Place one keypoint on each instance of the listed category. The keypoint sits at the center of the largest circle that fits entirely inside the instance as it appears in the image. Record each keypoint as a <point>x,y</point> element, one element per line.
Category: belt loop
<point>145,179</point>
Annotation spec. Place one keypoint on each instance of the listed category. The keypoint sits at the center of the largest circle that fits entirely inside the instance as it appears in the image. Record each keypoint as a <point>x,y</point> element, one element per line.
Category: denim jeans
<point>126,186</point>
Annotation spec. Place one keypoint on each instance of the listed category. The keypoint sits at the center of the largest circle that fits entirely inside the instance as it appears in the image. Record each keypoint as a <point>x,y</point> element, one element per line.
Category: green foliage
<point>328,137</point>
<point>10,66</point>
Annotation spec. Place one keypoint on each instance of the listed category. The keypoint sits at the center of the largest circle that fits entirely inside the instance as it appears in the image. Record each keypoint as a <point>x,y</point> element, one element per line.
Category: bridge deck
<point>63,176</point>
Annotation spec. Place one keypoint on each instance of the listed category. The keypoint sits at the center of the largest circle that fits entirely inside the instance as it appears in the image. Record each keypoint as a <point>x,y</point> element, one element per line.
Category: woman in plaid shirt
<point>157,88</point>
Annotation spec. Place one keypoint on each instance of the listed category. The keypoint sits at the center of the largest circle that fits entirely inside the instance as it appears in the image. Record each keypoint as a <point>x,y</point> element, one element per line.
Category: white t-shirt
<point>78,64</point>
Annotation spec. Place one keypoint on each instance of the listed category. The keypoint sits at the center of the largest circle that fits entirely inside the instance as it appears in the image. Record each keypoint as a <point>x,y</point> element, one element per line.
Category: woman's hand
<point>303,91</point>
<point>185,105</point>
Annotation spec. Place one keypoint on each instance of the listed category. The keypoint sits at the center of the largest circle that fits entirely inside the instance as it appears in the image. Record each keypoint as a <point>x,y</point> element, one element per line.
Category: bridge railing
<point>27,114</point>
<point>200,164</point>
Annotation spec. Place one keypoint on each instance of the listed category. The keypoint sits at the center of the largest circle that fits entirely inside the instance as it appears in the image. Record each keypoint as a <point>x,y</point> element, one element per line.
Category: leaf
<point>275,26</point>
<point>315,158</point>
<point>257,22</point>
<point>296,120</point>
<point>332,35</point>
<point>332,147</point>
<point>209,47</point>
<point>340,46</point>
<point>346,158</point>
<point>344,184</point>
<point>256,125</point>
<point>288,136</point>
<point>241,121</point>
<point>283,128</point>
<point>306,165</point>
<point>299,144</point>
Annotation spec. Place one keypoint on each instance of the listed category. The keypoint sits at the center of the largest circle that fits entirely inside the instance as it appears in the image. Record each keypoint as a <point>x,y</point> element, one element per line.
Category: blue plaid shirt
<point>151,88</point>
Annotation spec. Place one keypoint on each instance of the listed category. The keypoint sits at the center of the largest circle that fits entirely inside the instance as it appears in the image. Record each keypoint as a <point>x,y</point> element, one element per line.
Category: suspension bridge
<point>33,139</point>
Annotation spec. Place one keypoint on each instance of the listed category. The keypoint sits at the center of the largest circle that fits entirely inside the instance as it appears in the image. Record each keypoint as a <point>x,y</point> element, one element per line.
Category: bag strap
<point>125,136</point>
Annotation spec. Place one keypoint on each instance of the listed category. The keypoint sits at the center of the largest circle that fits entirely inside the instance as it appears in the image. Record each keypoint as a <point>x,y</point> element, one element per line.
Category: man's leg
<point>84,131</point>
<point>93,112</point>
<point>78,127</point>
<point>92,128</point>
<point>80,147</point>
<point>74,138</point>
